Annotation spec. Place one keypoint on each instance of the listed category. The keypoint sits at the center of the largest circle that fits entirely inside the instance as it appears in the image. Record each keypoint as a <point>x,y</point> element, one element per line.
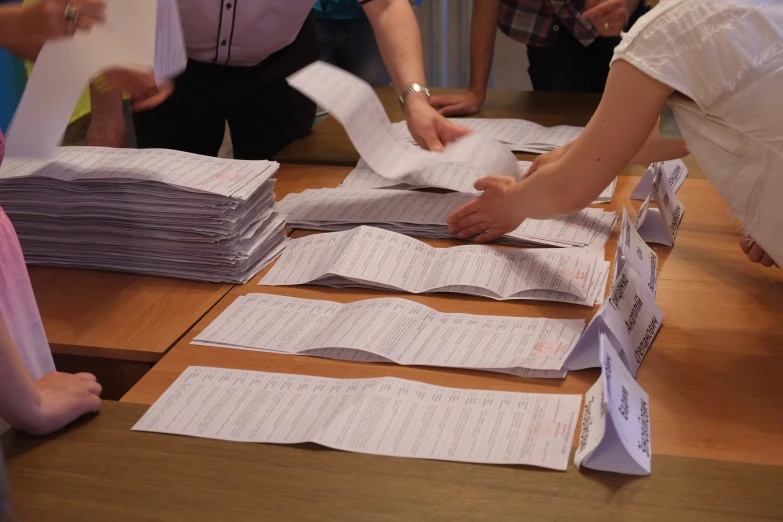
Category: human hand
<point>544,160</point>
<point>462,104</point>
<point>491,215</point>
<point>51,19</point>
<point>141,85</point>
<point>755,253</point>
<point>63,398</point>
<point>610,17</point>
<point>429,128</point>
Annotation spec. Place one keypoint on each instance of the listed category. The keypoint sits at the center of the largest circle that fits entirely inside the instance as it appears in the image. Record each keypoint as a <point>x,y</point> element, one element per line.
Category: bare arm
<point>399,41</point>
<point>46,405</point>
<point>483,28</point>
<point>614,137</point>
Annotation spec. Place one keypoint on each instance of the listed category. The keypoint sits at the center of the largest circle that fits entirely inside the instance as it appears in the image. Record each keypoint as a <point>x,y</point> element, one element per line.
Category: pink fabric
<point>18,309</point>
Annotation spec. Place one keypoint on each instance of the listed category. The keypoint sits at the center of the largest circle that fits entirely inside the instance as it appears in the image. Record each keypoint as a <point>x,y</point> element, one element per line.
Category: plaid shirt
<point>537,22</point>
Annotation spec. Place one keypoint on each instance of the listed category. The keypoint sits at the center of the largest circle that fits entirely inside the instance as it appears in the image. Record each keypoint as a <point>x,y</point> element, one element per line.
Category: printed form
<point>381,416</point>
<point>356,106</point>
<point>425,214</point>
<point>458,180</point>
<point>392,329</point>
<point>376,258</point>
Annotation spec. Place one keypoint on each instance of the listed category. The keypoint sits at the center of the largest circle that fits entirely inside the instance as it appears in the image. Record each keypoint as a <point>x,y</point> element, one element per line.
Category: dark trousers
<point>570,66</point>
<point>263,112</point>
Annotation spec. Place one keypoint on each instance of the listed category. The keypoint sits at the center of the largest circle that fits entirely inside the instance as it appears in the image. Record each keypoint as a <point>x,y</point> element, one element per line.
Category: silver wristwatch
<point>410,89</point>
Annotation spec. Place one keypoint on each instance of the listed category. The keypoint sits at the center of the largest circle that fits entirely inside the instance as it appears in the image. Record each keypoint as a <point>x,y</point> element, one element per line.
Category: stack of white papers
<point>369,257</point>
<point>393,330</point>
<point>450,177</point>
<point>154,212</point>
<point>516,135</point>
<point>382,416</point>
<point>424,214</point>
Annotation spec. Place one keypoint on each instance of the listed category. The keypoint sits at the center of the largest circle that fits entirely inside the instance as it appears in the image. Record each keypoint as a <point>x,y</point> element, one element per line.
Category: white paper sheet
<point>515,134</point>
<point>354,104</point>
<point>424,214</point>
<point>155,212</point>
<point>375,258</point>
<point>630,317</point>
<point>632,249</point>
<point>392,329</point>
<point>382,416</point>
<point>675,172</point>
<point>126,39</point>
<point>660,225</point>
<point>615,432</point>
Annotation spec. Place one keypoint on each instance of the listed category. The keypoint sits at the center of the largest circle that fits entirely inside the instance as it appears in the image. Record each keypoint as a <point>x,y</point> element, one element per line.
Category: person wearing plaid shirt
<point>569,44</point>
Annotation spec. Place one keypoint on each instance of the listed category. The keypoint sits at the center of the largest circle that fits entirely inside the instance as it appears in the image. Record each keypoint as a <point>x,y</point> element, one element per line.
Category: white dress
<point>725,60</point>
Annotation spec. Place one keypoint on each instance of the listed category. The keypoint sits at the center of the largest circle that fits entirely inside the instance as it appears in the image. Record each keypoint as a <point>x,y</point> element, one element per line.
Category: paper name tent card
<point>629,316</point>
<point>380,416</point>
<point>356,106</point>
<point>391,330</point>
<point>632,249</point>
<point>674,171</point>
<point>367,257</point>
<point>516,134</point>
<point>424,214</point>
<point>144,34</point>
<point>155,212</point>
<point>615,432</point>
<point>660,225</point>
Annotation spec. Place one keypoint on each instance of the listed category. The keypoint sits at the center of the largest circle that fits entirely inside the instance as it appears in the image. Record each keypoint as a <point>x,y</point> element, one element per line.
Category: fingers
<point>94,388</point>
<point>755,253</point>
<point>431,141</point>
<point>480,228</point>
<point>87,377</point>
<point>459,109</point>
<point>445,100</point>
<point>600,10</point>
<point>493,181</point>
<point>490,235</point>
<point>746,244</point>
<point>159,96</point>
<point>94,9</point>
<point>767,261</point>
<point>449,132</point>
<point>468,208</point>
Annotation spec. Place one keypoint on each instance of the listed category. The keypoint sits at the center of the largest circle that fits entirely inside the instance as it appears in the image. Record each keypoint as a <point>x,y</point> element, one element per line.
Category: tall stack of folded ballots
<point>423,214</point>
<point>156,212</point>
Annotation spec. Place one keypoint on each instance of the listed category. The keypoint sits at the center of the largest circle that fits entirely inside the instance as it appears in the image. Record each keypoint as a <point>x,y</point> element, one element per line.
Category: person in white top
<point>718,65</point>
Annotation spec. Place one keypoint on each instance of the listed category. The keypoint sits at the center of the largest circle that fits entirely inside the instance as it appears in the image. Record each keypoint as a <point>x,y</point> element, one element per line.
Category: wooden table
<point>328,144</point>
<point>116,324</point>
<point>99,470</point>
<point>712,373</point>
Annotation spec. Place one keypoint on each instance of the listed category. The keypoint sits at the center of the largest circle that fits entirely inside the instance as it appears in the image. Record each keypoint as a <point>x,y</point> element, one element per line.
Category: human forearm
<point>11,25</point>
<point>482,43</point>
<point>659,148</point>
<point>399,41</point>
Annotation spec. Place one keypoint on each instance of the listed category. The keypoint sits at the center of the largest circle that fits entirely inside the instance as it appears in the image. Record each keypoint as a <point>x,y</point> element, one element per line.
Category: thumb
<point>432,142</point>
<point>482,184</point>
